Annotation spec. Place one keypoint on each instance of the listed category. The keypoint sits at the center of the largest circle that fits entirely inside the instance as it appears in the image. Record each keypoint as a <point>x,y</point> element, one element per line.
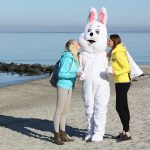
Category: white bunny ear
<point>103,15</point>
<point>92,15</point>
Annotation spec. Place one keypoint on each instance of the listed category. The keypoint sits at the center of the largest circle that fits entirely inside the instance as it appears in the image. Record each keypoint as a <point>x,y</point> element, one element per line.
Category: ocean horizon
<point>46,48</point>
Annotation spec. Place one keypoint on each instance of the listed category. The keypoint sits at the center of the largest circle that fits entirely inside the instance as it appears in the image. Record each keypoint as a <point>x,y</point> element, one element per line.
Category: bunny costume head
<point>95,32</point>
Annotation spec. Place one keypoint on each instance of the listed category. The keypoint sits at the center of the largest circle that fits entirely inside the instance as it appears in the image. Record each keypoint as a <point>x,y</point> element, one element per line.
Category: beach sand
<point>26,118</point>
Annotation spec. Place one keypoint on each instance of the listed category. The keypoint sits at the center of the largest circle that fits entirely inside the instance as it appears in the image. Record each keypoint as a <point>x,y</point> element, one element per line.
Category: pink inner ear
<point>91,16</point>
<point>102,15</point>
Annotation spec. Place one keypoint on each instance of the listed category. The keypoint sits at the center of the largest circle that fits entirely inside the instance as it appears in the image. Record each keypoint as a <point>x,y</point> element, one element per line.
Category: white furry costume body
<point>93,62</point>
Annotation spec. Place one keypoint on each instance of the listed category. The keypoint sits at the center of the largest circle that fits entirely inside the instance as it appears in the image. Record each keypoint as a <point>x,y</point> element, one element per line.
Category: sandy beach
<point>26,117</point>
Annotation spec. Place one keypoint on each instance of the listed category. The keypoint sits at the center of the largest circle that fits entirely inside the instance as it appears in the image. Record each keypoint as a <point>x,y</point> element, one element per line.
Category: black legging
<point>122,104</point>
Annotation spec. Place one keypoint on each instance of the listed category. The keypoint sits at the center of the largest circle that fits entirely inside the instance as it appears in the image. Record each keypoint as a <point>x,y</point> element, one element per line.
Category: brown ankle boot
<point>64,137</point>
<point>57,138</point>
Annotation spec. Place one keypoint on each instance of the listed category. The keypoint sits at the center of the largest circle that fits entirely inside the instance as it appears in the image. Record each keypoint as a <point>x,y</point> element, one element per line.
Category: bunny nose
<point>91,34</point>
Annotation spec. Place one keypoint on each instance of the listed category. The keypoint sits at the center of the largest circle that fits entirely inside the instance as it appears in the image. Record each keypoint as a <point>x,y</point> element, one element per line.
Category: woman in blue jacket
<point>67,73</point>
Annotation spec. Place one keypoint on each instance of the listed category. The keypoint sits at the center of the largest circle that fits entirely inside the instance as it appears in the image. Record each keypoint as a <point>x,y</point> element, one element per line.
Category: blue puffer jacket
<point>68,68</point>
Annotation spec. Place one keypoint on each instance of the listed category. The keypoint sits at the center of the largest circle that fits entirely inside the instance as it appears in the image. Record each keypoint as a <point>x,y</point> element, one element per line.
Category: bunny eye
<point>89,30</point>
<point>97,31</point>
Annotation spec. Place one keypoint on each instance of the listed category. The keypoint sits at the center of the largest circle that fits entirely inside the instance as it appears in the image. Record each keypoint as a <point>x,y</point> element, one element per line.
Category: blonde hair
<point>72,51</point>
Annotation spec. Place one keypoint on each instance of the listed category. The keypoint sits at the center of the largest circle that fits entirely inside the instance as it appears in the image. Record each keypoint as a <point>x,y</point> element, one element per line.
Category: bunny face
<point>95,32</point>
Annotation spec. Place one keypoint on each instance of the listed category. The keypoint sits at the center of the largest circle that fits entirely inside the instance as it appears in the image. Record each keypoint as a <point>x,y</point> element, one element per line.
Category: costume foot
<point>88,137</point>
<point>96,138</point>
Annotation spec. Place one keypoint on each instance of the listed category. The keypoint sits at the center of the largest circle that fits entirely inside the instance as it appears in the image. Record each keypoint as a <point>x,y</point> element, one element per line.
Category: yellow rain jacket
<point>120,64</point>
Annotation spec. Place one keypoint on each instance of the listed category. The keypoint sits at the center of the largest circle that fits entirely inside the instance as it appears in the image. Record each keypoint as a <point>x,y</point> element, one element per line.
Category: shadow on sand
<point>28,127</point>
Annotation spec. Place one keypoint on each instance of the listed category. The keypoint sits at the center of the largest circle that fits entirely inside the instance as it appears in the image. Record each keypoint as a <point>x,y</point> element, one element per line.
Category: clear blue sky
<point>71,15</point>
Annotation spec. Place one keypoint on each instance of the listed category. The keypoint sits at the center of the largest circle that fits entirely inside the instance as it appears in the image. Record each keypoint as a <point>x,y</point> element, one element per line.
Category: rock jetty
<point>32,69</point>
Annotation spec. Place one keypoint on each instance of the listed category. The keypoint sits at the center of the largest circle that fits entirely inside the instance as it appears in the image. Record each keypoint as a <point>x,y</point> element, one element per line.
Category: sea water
<point>46,49</point>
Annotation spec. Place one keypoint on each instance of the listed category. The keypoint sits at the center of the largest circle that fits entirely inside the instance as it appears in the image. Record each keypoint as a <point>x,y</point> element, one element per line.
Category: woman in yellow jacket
<point>121,71</point>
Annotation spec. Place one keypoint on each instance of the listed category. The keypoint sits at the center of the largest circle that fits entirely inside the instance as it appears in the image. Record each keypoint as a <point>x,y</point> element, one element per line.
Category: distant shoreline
<point>14,73</point>
<point>22,81</point>
<point>145,68</point>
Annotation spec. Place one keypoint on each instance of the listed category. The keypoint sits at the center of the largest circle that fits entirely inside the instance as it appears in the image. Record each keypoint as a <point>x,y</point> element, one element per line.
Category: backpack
<point>54,75</point>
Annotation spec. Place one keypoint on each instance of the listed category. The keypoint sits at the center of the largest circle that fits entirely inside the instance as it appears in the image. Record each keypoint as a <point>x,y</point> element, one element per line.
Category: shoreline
<point>144,67</point>
<point>25,79</point>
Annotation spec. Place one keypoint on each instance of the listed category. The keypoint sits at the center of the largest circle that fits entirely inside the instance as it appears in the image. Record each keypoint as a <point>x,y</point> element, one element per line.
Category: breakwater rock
<point>30,69</point>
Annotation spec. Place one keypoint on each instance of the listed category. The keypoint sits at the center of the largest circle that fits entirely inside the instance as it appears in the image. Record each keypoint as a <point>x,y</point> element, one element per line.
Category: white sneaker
<point>96,138</point>
<point>88,137</point>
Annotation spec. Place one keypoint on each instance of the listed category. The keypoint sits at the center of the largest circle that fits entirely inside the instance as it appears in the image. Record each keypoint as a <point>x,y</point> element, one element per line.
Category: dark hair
<point>116,40</point>
<point>68,44</point>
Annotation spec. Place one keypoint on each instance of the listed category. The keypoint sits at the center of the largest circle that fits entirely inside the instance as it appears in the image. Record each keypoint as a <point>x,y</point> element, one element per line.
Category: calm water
<point>46,48</point>
<point>10,79</point>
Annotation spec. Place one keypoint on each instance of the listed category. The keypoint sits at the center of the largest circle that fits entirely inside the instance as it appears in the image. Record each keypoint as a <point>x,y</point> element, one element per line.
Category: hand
<point>109,53</point>
<point>113,72</point>
<point>79,74</point>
